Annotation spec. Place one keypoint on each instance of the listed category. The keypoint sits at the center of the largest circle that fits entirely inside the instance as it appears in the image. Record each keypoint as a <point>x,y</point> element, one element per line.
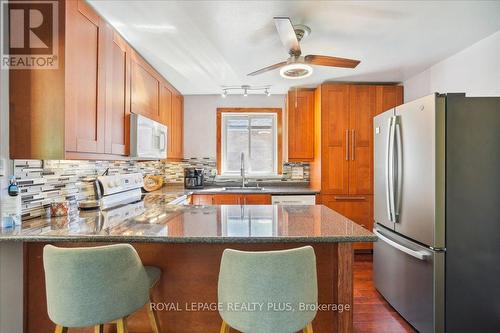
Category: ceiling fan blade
<point>268,68</point>
<point>330,61</point>
<point>287,35</point>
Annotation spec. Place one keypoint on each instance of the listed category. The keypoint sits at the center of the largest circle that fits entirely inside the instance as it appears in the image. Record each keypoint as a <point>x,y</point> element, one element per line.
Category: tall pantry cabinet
<point>345,166</point>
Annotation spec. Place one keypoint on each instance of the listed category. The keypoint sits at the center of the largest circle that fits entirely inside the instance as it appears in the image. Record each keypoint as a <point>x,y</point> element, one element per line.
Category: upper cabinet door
<point>388,97</point>
<point>362,108</point>
<point>300,107</point>
<point>177,127</point>
<point>117,94</point>
<point>145,90</point>
<point>85,79</point>
<point>335,136</point>
<point>166,115</point>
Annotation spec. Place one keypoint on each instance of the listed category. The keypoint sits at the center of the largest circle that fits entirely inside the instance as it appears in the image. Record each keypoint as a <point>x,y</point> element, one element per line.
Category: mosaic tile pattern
<point>43,182</point>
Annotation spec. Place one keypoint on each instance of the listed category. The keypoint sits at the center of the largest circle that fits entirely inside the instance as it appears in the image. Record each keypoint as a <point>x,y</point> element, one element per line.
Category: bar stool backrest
<point>93,285</point>
<point>278,288</point>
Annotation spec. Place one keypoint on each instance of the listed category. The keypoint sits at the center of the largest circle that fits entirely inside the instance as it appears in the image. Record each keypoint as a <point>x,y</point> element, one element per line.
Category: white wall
<point>200,118</point>
<point>474,70</point>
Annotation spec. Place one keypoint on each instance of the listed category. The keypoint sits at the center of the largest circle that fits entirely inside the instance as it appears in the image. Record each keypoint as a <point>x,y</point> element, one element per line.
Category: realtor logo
<point>29,34</point>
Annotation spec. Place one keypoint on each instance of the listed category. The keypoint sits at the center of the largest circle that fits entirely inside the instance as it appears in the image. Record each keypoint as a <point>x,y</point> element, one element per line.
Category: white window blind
<point>253,134</point>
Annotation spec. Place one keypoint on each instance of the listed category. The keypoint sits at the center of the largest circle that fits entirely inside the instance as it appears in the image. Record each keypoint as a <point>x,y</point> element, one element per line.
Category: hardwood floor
<point>372,314</point>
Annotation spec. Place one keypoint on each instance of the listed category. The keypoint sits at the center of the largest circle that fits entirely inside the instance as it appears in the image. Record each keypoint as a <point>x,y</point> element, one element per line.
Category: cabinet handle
<point>347,197</point>
<point>347,145</point>
<point>353,144</point>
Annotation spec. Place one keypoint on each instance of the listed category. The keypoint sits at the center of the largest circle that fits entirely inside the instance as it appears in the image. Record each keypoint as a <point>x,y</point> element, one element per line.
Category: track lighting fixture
<point>244,90</point>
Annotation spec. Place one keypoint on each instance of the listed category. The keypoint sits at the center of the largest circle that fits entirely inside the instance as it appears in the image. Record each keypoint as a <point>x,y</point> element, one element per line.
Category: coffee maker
<point>193,178</point>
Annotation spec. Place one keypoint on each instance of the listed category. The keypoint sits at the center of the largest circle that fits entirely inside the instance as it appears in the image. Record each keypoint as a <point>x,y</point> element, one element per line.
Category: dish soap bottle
<point>11,205</point>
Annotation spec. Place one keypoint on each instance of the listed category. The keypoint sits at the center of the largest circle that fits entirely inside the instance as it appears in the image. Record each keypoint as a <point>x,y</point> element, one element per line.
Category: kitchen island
<point>187,242</point>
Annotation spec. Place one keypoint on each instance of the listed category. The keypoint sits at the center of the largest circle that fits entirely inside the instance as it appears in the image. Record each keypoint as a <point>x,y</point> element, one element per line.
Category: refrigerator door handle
<point>399,174</point>
<point>420,255</point>
<point>389,171</point>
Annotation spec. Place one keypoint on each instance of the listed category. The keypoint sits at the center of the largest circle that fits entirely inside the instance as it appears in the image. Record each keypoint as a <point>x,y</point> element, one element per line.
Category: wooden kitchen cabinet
<point>300,116</point>
<point>347,136</point>
<point>256,199</point>
<point>202,199</point>
<point>227,199</point>
<point>346,145</point>
<point>356,208</point>
<point>176,146</point>
<point>388,97</point>
<point>231,199</point>
<point>85,79</point>
<point>361,111</point>
<point>117,94</point>
<point>334,138</point>
<point>81,109</point>
<point>172,115</point>
<point>144,89</point>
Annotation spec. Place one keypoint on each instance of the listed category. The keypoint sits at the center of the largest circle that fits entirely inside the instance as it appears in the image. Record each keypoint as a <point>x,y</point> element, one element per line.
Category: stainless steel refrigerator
<point>437,212</point>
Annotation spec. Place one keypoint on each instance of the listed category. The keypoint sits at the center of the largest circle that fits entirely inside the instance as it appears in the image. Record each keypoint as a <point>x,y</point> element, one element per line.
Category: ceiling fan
<point>297,66</point>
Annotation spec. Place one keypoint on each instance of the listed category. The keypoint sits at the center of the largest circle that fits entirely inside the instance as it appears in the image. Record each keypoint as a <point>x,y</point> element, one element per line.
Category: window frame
<point>278,142</point>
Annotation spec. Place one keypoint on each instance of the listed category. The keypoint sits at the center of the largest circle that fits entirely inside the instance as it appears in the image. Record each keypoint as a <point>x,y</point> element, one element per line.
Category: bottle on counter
<point>11,206</point>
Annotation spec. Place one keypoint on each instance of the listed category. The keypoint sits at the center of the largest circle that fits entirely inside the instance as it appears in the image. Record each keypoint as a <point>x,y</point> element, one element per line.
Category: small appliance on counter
<point>193,178</point>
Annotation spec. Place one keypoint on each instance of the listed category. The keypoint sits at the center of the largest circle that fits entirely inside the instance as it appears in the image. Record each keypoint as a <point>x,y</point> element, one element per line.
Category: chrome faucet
<point>242,170</point>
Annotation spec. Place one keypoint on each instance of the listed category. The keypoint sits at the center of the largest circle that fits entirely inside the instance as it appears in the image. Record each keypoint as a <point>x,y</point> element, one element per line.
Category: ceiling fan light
<point>245,92</point>
<point>296,71</point>
<point>223,94</point>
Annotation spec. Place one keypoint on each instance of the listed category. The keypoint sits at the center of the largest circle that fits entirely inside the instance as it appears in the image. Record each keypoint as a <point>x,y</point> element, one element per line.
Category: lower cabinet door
<point>358,208</point>
<point>231,199</point>
<point>227,199</point>
<point>202,199</point>
<point>256,199</point>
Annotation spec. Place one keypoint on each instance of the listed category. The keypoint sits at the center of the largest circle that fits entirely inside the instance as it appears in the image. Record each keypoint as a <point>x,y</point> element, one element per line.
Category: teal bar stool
<point>93,286</point>
<point>280,281</point>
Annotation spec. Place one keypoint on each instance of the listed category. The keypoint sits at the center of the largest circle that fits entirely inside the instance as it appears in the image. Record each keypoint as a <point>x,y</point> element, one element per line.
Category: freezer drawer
<point>410,277</point>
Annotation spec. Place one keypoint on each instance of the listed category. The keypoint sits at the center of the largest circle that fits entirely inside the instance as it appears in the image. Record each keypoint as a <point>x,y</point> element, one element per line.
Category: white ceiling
<point>200,46</point>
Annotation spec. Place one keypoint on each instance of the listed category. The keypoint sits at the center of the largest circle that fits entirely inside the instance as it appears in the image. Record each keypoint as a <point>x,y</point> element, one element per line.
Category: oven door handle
<point>420,255</point>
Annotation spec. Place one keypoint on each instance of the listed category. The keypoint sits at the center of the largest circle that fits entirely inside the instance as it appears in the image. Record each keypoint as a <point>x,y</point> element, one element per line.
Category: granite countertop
<point>154,220</point>
<point>273,189</point>
<point>174,192</point>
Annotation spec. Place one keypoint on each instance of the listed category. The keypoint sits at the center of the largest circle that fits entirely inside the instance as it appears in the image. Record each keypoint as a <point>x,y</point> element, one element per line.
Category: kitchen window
<point>256,134</point>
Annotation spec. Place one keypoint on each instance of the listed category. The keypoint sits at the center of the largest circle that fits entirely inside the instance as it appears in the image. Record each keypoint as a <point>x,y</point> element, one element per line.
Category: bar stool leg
<point>121,325</point>
<point>224,327</point>
<point>61,329</point>
<point>99,328</point>
<point>153,320</point>
<point>308,329</point>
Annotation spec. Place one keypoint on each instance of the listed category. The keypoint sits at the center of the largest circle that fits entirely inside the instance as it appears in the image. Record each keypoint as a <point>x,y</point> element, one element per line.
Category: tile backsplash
<point>42,182</point>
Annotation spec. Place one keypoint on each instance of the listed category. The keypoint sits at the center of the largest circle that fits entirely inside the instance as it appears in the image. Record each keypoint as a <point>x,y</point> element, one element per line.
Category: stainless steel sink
<point>243,189</point>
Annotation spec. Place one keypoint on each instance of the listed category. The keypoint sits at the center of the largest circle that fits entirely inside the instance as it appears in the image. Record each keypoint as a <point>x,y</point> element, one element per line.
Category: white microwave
<point>148,138</point>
